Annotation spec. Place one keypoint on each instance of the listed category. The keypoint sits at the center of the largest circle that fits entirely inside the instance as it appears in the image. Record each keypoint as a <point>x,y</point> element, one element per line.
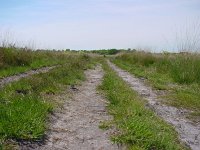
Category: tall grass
<point>15,60</point>
<point>186,69</point>
<point>13,57</point>
<point>183,68</point>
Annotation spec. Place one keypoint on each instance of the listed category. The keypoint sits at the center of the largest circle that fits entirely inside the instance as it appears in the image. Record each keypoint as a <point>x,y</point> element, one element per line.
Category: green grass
<point>139,127</point>
<point>182,68</point>
<point>104,125</point>
<point>159,81</point>
<point>25,105</point>
<point>23,118</point>
<point>14,61</point>
<point>178,74</point>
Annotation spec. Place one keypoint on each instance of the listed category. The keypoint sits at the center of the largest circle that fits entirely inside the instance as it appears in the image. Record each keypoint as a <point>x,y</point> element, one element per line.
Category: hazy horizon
<point>99,24</point>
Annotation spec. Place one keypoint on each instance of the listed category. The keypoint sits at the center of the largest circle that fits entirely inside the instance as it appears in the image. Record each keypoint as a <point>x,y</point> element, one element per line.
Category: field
<point>176,74</point>
<point>16,60</point>
<point>28,105</point>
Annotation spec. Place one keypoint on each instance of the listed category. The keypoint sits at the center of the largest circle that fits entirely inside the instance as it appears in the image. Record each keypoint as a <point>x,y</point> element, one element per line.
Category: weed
<point>104,125</point>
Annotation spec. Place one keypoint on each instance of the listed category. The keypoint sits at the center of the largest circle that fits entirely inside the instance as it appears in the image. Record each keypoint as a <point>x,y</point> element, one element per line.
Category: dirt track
<point>17,77</point>
<point>189,132</point>
<point>76,126</point>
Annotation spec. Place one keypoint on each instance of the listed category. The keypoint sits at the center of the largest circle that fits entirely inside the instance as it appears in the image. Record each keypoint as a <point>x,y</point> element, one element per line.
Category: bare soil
<point>189,132</point>
<point>76,125</point>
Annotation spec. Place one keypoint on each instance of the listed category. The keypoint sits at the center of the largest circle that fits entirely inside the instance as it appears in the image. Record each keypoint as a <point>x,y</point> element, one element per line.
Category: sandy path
<point>189,132</point>
<point>76,126</point>
<point>17,77</point>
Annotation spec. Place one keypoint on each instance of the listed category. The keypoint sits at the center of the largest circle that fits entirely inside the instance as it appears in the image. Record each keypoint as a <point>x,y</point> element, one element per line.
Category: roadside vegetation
<point>176,73</point>
<point>139,128</point>
<point>17,60</point>
<point>25,104</point>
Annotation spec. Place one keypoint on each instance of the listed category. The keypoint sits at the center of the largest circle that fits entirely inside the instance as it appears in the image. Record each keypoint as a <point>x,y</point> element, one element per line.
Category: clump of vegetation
<point>186,69</point>
<point>16,60</point>
<point>182,68</point>
<point>13,57</point>
<point>139,127</point>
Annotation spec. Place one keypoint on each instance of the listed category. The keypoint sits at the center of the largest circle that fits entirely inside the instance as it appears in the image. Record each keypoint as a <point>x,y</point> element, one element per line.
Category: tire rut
<point>76,126</point>
<point>189,132</point>
<point>17,77</point>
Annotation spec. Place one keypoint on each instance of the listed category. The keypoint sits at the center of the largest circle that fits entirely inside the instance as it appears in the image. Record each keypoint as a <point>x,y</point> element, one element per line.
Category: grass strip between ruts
<point>139,127</point>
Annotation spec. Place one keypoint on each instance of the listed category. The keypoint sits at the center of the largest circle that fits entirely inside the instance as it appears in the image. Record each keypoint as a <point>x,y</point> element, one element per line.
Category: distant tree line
<point>106,52</point>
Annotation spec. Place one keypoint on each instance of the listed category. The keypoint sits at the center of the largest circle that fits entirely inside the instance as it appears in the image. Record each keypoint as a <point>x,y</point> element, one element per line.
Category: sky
<point>97,24</point>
